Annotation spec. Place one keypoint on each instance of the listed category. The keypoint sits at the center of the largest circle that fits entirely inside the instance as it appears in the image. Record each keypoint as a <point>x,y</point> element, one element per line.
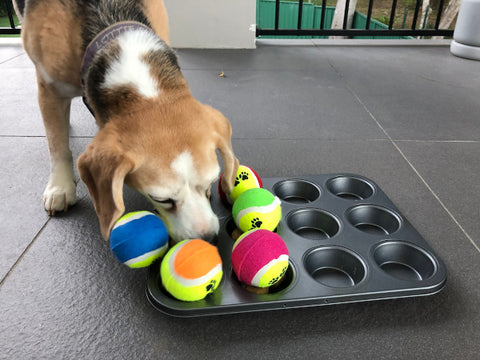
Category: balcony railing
<point>323,30</point>
<point>13,29</point>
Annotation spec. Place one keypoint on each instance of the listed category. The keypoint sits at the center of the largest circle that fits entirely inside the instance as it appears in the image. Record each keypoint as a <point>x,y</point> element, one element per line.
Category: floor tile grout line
<point>12,58</point>
<point>439,141</point>
<point>24,252</point>
<point>467,235</point>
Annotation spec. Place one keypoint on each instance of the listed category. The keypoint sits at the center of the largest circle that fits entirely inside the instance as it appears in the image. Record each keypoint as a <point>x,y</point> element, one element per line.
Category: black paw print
<point>211,286</point>
<point>256,223</point>
<point>275,279</point>
<point>241,177</point>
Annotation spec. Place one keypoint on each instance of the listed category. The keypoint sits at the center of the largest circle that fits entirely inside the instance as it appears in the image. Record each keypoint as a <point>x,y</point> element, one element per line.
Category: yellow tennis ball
<point>257,209</point>
<point>246,179</point>
<point>191,270</point>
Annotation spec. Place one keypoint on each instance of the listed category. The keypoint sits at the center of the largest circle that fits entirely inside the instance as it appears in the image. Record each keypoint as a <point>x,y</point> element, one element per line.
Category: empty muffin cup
<point>350,188</point>
<point>335,266</point>
<point>314,224</point>
<point>374,220</point>
<point>404,261</point>
<point>296,191</point>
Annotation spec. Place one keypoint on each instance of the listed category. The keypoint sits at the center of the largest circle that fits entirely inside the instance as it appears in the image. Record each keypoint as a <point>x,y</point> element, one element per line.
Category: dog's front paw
<point>59,194</point>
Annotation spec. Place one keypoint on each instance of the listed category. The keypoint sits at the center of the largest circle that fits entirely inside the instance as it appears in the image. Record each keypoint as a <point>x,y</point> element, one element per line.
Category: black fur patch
<point>100,14</point>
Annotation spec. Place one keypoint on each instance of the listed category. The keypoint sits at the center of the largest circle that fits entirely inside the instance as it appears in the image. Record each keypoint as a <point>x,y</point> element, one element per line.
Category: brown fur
<point>127,150</point>
<point>157,14</point>
<point>138,138</point>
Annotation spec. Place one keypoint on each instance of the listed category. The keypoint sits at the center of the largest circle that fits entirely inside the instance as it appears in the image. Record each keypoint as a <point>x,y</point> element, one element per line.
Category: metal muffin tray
<point>347,242</point>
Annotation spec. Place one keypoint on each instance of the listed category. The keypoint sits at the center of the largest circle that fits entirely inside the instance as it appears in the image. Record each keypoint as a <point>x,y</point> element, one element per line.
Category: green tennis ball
<point>257,209</point>
<point>191,270</point>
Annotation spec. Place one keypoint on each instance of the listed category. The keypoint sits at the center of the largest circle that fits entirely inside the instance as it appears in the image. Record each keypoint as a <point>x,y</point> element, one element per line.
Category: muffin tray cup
<point>347,243</point>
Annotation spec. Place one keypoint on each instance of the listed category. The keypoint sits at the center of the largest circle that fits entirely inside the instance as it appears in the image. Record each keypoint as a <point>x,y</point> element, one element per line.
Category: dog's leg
<point>61,188</point>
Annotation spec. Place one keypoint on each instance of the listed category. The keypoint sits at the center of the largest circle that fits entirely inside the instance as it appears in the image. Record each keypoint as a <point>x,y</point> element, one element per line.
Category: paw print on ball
<point>241,177</point>
<point>256,223</point>
<point>276,279</point>
<point>211,286</point>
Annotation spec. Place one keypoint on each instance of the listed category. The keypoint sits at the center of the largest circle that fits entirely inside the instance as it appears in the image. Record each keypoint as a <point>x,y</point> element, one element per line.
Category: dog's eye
<point>166,203</point>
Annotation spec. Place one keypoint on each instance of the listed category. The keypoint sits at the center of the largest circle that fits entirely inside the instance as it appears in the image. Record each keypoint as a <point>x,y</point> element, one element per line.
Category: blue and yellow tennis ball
<point>191,270</point>
<point>246,178</point>
<point>257,209</point>
<point>139,238</point>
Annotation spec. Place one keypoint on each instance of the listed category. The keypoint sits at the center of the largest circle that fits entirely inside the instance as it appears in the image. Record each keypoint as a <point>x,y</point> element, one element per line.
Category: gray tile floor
<point>407,117</point>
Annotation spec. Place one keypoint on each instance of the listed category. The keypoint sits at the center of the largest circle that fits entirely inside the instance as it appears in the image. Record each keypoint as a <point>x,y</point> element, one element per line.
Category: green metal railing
<point>6,5</point>
<point>297,19</point>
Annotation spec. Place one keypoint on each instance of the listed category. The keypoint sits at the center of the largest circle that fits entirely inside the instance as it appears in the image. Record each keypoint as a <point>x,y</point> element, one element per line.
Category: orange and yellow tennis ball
<point>191,270</point>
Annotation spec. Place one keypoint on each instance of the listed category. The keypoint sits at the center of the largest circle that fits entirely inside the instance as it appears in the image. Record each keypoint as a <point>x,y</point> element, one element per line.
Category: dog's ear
<point>224,146</point>
<point>103,167</point>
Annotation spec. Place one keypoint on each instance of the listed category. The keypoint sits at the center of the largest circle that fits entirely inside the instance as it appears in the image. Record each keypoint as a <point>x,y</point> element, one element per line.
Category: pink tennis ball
<point>259,258</point>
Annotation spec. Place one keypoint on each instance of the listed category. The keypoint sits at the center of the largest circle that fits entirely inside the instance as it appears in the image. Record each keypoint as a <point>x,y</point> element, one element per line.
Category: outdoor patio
<point>405,116</point>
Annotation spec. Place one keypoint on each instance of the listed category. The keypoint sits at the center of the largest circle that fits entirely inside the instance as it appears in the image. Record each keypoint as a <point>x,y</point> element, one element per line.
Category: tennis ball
<point>246,178</point>
<point>259,258</point>
<point>191,270</point>
<point>139,238</point>
<point>257,209</point>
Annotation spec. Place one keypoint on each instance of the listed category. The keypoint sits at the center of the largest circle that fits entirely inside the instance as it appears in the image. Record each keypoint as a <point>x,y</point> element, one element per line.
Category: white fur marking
<point>183,166</point>
<point>48,79</point>
<point>60,190</point>
<point>194,216</point>
<point>66,90</point>
<point>130,68</point>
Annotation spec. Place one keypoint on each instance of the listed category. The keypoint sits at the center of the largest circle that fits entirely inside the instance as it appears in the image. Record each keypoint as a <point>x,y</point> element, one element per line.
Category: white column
<point>212,23</point>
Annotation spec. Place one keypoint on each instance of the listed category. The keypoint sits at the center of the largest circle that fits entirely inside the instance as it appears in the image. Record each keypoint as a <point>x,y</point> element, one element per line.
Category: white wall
<point>212,23</point>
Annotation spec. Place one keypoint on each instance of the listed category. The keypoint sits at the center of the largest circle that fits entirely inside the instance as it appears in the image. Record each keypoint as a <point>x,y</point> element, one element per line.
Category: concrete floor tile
<point>416,94</point>
<point>294,111</point>
<point>266,58</point>
<point>24,175</point>
<point>70,296</point>
<point>285,104</point>
<point>9,53</point>
<point>452,171</point>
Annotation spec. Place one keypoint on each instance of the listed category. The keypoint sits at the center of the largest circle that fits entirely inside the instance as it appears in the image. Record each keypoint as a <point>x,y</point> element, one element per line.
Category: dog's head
<point>167,153</point>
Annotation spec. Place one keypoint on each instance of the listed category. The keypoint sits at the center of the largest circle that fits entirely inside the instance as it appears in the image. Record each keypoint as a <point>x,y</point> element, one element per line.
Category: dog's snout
<point>207,230</point>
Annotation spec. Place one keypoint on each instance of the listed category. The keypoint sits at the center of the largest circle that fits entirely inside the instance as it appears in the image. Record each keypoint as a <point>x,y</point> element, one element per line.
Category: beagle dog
<point>153,135</point>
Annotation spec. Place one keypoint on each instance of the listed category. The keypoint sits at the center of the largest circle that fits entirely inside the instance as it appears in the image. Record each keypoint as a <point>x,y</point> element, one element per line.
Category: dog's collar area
<point>106,36</point>
<point>103,38</point>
